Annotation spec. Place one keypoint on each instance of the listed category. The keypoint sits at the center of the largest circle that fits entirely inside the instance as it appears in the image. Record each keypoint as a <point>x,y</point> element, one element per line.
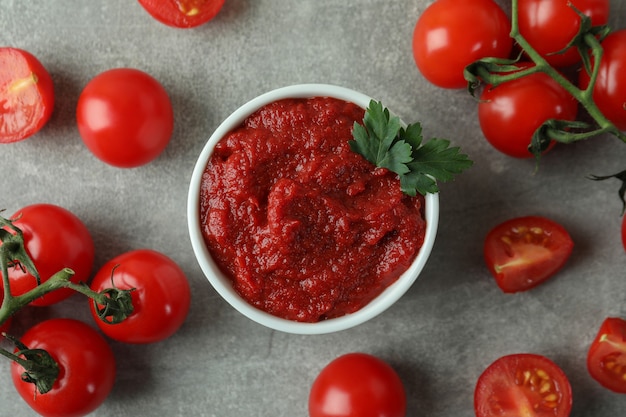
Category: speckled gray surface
<point>439,337</point>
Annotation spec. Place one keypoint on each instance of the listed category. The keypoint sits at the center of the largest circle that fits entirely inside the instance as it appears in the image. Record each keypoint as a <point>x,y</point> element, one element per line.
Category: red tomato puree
<point>306,228</point>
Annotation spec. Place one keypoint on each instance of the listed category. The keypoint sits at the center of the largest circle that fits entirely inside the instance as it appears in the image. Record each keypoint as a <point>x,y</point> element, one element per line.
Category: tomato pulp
<point>606,359</point>
<point>306,228</point>
<point>182,13</point>
<point>26,95</point>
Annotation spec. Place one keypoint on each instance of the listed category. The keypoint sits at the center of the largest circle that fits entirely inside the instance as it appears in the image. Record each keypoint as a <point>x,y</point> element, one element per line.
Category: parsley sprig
<point>383,141</point>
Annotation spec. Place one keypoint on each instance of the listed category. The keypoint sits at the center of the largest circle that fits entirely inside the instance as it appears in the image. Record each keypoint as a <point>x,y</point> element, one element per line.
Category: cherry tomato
<point>26,95</point>
<point>161,297</point>
<point>87,368</point>
<point>522,253</point>
<point>523,384</point>
<point>54,238</point>
<point>357,385</point>
<point>606,360</point>
<point>125,117</point>
<point>624,232</point>
<point>510,113</point>
<point>182,13</point>
<point>4,327</point>
<point>550,25</point>
<point>451,34</point>
<point>609,92</point>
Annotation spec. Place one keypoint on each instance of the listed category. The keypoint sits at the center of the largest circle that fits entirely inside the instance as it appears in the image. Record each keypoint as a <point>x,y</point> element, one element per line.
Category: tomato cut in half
<point>182,13</point>
<point>606,359</point>
<point>522,253</point>
<point>523,384</point>
<point>26,95</point>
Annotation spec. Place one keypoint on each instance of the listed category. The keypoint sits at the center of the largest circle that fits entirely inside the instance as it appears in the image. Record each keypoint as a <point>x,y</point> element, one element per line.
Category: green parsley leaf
<point>383,141</point>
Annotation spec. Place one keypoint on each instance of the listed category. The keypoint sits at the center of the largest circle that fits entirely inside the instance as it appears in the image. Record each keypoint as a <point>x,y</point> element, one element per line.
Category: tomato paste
<point>306,228</point>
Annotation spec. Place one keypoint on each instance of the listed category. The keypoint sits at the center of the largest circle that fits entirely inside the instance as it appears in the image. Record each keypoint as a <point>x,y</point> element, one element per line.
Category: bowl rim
<point>222,284</point>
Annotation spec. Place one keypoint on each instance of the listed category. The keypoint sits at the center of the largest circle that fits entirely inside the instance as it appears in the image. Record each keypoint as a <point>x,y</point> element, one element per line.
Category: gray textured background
<point>439,337</point>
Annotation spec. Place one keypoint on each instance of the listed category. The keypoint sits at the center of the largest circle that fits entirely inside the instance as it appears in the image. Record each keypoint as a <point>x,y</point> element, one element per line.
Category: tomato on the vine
<point>609,92</point>
<point>510,113</point>
<point>523,384</point>
<point>4,327</point>
<point>451,34</point>
<point>182,13</point>
<point>86,368</point>
<point>549,26</point>
<point>125,117</point>
<point>624,232</point>
<point>357,385</point>
<point>54,238</point>
<point>26,95</point>
<point>606,359</point>
<point>160,294</point>
<point>523,252</point>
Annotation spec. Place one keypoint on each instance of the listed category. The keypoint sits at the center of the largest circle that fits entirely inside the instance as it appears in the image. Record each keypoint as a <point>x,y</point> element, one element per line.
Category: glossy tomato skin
<point>513,383</point>
<point>606,359</point>
<point>87,368</point>
<point>550,25</point>
<point>26,94</point>
<point>182,13</point>
<point>446,39</point>
<point>523,252</point>
<point>609,92</point>
<point>510,113</point>
<point>54,238</point>
<point>357,385</point>
<point>125,117</point>
<point>161,298</point>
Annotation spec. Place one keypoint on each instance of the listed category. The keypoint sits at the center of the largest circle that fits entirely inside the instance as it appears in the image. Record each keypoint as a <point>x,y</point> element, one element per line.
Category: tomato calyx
<point>40,368</point>
<point>114,305</point>
<point>622,191</point>
<point>496,71</point>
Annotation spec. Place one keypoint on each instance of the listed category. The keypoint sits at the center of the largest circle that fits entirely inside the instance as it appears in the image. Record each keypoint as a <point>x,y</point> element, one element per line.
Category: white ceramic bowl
<point>222,284</point>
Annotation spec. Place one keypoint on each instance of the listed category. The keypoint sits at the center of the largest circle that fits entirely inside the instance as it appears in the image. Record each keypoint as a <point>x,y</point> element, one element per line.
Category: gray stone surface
<point>439,337</point>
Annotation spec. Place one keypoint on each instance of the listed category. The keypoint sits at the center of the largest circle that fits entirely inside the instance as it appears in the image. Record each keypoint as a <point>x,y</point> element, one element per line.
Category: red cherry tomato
<point>624,232</point>
<point>357,385</point>
<point>4,327</point>
<point>510,113</point>
<point>609,92</point>
<point>549,26</point>
<point>161,297</point>
<point>26,95</point>
<point>182,13</point>
<point>446,39</point>
<point>87,368</point>
<point>125,117</point>
<point>606,360</point>
<point>523,384</point>
<point>522,253</point>
<point>55,239</point>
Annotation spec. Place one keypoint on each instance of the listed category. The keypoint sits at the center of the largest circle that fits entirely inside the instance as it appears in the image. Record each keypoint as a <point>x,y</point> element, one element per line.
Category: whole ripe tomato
<point>182,13</point>
<point>125,117</point>
<point>54,238</point>
<point>26,95</point>
<point>357,385</point>
<point>510,113</point>
<point>4,327</point>
<point>624,232</point>
<point>609,92</point>
<point>606,359</point>
<point>87,368</point>
<point>451,34</point>
<point>161,295</point>
<point>523,252</point>
<point>549,26</point>
<point>523,384</point>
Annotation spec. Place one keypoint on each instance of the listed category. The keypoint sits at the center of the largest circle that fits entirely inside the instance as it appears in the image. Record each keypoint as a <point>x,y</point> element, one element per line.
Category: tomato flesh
<point>445,40</point>
<point>606,359</point>
<point>522,253</point>
<point>26,95</point>
<point>523,385</point>
<point>182,13</point>
<point>357,385</point>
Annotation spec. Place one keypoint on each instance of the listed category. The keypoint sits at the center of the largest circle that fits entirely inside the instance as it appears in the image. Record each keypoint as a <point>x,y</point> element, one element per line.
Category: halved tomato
<point>606,360</point>
<point>523,384</point>
<point>182,13</point>
<point>522,253</point>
